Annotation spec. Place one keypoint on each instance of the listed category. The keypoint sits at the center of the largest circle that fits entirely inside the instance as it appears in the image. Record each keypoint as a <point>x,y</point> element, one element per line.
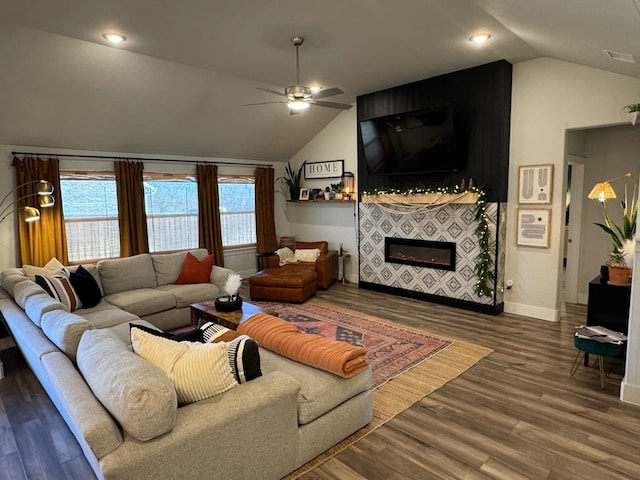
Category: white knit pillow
<point>197,370</point>
<point>307,254</point>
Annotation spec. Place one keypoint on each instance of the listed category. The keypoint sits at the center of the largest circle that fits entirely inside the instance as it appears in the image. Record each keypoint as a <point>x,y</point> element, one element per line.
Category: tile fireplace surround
<point>452,222</point>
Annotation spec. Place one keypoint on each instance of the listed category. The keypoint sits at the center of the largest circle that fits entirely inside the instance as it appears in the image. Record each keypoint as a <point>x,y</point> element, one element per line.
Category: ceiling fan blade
<point>329,92</point>
<point>271,91</point>
<point>260,103</point>
<point>341,106</point>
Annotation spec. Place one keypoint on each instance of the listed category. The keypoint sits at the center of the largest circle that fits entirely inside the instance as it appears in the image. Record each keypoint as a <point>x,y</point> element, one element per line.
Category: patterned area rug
<point>391,350</point>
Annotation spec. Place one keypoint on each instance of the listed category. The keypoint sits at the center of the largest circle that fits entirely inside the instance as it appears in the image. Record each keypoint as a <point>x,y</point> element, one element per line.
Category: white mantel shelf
<point>426,198</point>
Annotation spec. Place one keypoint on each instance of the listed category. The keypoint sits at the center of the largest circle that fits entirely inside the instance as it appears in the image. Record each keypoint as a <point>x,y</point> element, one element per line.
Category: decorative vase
<point>619,276</point>
<point>327,195</point>
<point>295,193</point>
<point>225,304</point>
<point>633,117</point>
<point>338,196</point>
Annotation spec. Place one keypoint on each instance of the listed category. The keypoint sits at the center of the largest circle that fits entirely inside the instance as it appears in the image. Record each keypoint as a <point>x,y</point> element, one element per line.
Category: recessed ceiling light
<point>114,38</point>
<point>479,38</point>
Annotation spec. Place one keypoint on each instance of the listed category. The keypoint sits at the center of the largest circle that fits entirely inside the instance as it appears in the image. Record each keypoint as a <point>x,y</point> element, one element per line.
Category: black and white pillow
<point>59,287</point>
<point>243,352</point>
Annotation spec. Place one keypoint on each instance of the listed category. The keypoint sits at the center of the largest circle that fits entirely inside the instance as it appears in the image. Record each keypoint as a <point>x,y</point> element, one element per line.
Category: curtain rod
<point>141,159</point>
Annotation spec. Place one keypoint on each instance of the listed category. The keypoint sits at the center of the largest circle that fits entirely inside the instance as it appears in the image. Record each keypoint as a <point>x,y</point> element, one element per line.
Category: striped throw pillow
<point>242,351</point>
<point>59,287</point>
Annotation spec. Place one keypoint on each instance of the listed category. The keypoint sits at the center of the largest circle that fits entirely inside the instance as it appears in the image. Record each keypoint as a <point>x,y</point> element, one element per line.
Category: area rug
<point>400,383</point>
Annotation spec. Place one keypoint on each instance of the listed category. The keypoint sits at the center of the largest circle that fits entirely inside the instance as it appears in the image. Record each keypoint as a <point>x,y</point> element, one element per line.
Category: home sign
<point>328,169</point>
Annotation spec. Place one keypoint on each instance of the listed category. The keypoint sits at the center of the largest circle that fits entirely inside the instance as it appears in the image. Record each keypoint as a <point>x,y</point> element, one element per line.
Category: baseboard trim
<point>540,313</point>
<point>630,393</point>
<point>452,302</point>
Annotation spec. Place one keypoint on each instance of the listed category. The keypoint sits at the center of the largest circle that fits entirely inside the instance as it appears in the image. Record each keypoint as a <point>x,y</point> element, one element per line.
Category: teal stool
<point>584,345</point>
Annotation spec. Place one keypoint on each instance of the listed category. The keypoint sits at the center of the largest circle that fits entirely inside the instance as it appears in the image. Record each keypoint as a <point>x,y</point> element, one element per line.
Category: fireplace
<point>420,253</point>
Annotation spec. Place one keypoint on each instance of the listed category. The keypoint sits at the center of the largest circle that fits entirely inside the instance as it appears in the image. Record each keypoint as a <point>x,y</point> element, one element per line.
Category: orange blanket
<point>285,339</point>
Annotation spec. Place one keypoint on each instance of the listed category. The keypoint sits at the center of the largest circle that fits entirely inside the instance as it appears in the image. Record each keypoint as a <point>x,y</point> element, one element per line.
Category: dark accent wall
<point>481,100</point>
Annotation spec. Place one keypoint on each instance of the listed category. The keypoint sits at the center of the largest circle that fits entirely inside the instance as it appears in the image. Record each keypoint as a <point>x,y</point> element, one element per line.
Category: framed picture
<point>304,194</point>
<point>535,184</point>
<point>314,192</point>
<point>328,169</point>
<point>533,227</point>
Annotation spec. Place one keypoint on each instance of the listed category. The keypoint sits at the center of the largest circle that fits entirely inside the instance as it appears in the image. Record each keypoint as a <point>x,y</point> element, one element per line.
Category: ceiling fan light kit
<point>300,97</point>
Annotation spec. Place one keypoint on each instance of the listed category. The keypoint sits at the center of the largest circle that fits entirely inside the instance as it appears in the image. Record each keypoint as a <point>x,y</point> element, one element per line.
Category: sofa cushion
<point>123,330</point>
<point>86,287</point>
<point>185,295</point>
<point>11,277</point>
<point>60,288</point>
<point>39,304</point>
<point>65,329</point>
<point>169,265</point>
<point>320,391</point>
<point>101,317</point>
<point>139,396</point>
<point>143,301</point>
<point>50,268</point>
<point>194,270</point>
<point>24,290</point>
<point>197,370</point>
<point>124,274</point>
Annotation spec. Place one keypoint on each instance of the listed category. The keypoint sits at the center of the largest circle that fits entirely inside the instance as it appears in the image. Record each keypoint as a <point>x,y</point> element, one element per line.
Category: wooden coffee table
<point>207,311</point>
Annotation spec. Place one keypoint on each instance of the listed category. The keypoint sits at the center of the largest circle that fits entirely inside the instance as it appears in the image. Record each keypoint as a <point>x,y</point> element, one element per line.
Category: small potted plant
<point>327,193</point>
<point>337,188</point>
<point>633,109</point>
<point>292,180</point>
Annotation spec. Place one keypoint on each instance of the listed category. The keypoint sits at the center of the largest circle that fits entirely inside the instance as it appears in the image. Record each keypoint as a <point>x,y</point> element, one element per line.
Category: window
<point>171,203</point>
<point>90,208</point>
<point>237,210</point>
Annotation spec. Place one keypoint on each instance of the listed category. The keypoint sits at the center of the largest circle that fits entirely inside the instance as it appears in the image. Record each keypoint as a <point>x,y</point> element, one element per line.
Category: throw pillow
<point>51,268</point>
<point>242,351</point>
<point>60,288</point>
<point>194,270</point>
<point>307,254</point>
<point>197,370</point>
<point>194,335</point>
<point>86,287</point>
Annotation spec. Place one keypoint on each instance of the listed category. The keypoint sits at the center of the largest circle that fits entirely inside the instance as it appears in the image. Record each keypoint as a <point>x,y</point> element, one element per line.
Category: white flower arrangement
<point>232,286</point>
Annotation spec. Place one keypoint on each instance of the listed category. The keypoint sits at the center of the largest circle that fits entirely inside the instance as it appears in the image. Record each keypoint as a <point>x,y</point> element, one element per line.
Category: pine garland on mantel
<point>484,272</point>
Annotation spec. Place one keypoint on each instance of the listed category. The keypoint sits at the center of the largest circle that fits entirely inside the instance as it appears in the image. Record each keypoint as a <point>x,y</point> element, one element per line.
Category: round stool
<point>585,345</point>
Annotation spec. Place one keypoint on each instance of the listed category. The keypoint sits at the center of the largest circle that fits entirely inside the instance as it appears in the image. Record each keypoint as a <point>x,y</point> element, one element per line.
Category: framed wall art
<point>328,169</point>
<point>535,184</point>
<point>533,227</point>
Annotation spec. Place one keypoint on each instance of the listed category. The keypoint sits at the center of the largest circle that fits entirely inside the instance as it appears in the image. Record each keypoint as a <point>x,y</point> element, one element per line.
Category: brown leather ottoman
<point>282,286</point>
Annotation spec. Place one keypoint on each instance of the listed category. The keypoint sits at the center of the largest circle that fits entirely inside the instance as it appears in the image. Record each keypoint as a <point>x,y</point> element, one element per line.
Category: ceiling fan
<point>300,97</point>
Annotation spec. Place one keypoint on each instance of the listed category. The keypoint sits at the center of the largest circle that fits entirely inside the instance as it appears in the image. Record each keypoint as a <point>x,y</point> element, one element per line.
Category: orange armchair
<point>326,265</point>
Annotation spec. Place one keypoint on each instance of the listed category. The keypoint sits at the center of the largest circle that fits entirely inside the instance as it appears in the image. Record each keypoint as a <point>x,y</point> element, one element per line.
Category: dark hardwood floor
<point>517,414</point>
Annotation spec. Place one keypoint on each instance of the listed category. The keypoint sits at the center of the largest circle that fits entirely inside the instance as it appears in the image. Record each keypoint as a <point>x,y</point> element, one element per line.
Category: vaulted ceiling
<point>179,82</point>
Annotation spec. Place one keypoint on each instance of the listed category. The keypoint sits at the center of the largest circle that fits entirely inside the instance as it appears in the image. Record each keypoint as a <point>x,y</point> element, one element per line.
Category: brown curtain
<point>42,240</point>
<point>132,217</point>
<point>209,227</point>
<point>265,224</point>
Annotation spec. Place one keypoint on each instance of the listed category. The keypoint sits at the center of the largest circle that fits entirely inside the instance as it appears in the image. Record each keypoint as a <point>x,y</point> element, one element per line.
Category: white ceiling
<point>178,84</point>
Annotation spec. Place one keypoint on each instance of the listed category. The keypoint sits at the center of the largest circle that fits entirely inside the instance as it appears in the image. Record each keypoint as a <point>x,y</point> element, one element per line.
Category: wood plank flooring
<point>518,414</point>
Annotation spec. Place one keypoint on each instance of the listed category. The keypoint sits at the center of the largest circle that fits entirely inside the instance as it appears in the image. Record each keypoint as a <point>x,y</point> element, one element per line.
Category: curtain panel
<point>45,239</point>
<point>265,207</point>
<point>209,226</point>
<point>132,218</point>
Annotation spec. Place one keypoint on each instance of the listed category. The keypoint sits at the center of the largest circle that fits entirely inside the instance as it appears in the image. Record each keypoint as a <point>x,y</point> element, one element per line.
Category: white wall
<point>549,97</point>
<point>242,261</point>
<point>333,222</point>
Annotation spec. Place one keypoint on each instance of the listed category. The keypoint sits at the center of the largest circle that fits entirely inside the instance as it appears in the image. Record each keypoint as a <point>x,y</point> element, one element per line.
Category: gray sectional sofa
<point>263,429</point>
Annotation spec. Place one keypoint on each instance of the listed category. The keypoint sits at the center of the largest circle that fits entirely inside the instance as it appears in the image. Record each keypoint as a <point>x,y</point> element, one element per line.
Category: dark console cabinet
<point>608,305</point>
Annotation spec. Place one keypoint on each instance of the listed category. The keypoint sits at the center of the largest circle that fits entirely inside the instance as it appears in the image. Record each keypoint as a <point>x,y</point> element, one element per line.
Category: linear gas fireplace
<point>421,253</point>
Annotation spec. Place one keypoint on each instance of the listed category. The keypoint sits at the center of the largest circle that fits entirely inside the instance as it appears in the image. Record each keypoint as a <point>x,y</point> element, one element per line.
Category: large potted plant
<point>623,239</point>
<point>292,180</point>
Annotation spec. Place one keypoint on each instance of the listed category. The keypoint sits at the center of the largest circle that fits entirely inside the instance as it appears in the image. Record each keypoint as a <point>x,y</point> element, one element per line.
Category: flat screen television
<point>421,141</point>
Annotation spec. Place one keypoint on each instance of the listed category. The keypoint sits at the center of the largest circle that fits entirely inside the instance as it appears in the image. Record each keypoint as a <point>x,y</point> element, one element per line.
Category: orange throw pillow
<point>194,270</point>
